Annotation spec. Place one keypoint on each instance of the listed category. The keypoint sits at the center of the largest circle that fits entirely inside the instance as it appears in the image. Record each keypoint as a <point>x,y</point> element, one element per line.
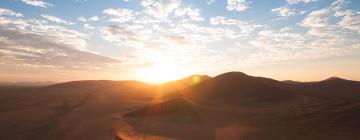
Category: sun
<point>162,70</point>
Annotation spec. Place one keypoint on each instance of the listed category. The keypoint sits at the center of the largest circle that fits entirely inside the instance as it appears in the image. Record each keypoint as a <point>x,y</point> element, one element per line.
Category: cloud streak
<point>37,3</point>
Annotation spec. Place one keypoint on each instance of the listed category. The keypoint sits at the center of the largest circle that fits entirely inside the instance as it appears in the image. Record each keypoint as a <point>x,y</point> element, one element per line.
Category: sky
<point>64,40</point>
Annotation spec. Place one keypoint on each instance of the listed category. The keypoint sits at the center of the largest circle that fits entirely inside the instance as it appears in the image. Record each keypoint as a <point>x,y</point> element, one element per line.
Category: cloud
<point>245,27</point>
<point>350,19</point>
<point>32,43</point>
<point>316,19</point>
<point>237,5</point>
<point>193,13</point>
<point>88,26</point>
<point>58,33</point>
<point>322,22</point>
<point>120,14</point>
<point>83,19</point>
<point>56,19</point>
<point>37,3</point>
<point>94,18</point>
<point>169,27</point>
<point>8,12</point>
<point>298,1</point>
<point>210,1</point>
<point>285,29</point>
<point>278,46</point>
<point>160,8</point>
<point>351,22</point>
<point>128,35</point>
<point>173,39</point>
<point>284,11</point>
<point>328,34</point>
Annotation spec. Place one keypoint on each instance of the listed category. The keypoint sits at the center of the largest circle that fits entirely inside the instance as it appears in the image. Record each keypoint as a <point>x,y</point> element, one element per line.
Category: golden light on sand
<point>162,70</point>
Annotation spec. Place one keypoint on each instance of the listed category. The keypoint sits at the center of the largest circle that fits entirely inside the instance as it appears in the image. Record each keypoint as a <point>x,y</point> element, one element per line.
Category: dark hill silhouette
<point>238,87</point>
<point>273,109</point>
<point>332,88</point>
<point>235,88</point>
<point>117,86</point>
<point>232,105</point>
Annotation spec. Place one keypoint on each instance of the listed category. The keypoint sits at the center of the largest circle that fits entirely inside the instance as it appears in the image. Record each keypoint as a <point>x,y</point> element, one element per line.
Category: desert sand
<point>230,106</point>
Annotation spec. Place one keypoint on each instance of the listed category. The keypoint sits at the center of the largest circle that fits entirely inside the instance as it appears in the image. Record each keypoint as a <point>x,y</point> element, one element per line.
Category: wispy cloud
<point>93,18</point>
<point>284,11</point>
<point>201,34</point>
<point>34,43</point>
<point>56,19</point>
<point>8,12</point>
<point>298,1</point>
<point>37,3</point>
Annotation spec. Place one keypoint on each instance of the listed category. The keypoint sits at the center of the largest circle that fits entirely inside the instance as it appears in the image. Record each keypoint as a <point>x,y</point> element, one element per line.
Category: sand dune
<point>229,106</point>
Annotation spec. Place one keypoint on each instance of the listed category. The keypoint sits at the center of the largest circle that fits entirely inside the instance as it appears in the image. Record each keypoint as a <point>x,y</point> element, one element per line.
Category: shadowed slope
<point>178,106</point>
<point>96,85</point>
<point>332,88</point>
<point>239,87</point>
<point>229,106</point>
<point>238,106</point>
<point>234,88</point>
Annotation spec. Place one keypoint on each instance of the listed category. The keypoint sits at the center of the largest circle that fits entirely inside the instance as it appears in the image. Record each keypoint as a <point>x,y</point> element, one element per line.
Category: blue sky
<point>132,39</point>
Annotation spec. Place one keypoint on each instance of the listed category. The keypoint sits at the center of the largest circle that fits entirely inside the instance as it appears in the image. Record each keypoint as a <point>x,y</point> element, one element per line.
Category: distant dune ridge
<point>244,90</point>
<point>230,106</point>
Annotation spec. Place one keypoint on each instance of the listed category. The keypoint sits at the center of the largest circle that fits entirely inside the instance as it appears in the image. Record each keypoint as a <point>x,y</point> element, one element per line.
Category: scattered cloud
<point>350,19</point>
<point>284,11</point>
<point>185,32</point>
<point>237,5</point>
<point>88,26</point>
<point>160,8</point>
<point>84,19</point>
<point>56,19</point>
<point>245,27</point>
<point>321,22</point>
<point>285,29</point>
<point>210,1</point>
<point>126,35</point>
<point>302,12</point>
<point>351,22</point>
<point>120,14</point>
<point>283,45</point>
<point>316,19</point>
<point>8,12</point>
<point>33,43</point>
<point>37,3</point>
<point>325,37</point>
<point>193,13</point>
<point>300,1</point>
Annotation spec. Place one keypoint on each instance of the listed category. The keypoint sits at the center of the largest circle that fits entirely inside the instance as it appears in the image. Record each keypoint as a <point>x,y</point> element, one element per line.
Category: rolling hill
<point>232,105</point>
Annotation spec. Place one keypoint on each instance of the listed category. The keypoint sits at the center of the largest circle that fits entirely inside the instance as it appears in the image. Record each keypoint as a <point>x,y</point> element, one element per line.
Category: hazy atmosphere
<point>64,40</point>
<point>179,69</point>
